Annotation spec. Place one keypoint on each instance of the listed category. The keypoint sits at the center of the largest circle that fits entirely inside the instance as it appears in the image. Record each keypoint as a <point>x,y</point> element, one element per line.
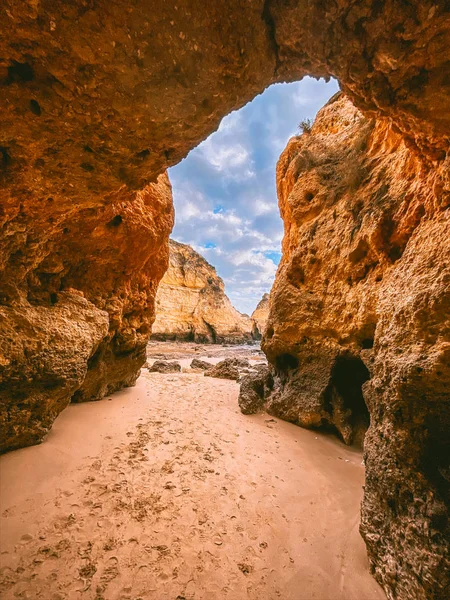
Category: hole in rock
<point>345,395</point>
<point>224,191</point>
<point>367,344</point>
<point>53,298</point>
<point>395,252</point>
<point>211,331</point>
<point>5,157</point>
<point>143,154</point>
<point>115,221</point>
<point>20,72</point>
<point>435,458</point>
<point>35,107</point>
<point>284,362</point>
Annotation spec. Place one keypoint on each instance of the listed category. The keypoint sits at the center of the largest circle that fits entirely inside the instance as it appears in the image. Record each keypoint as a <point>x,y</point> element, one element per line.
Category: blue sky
<point>224,191</point>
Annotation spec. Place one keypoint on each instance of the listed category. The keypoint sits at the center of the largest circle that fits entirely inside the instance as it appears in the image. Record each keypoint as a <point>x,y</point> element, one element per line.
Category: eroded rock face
<point>100,97</point>
<point>191,303</point>
<point>76,316</point>
<point>44,353</point>
<point>360,324</point>
<point>260,316</point>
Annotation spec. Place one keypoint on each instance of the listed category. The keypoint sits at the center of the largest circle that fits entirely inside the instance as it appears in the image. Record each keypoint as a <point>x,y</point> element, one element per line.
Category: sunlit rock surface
<point>191,303</point>
<point>360,323</point>
<point>75,319</point>
<point>99,98</point>
<point>259,316</point>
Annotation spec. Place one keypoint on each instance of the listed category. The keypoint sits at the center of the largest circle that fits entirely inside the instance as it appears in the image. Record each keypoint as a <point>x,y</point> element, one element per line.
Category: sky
<point>224,191</point>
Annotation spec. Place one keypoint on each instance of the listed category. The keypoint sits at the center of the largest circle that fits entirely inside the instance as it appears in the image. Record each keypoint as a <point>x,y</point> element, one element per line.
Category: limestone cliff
<point>99,98</point>
<point>359,329</point>
<point>260,316</point>
<point>191,303</point>
<point>75,315</point>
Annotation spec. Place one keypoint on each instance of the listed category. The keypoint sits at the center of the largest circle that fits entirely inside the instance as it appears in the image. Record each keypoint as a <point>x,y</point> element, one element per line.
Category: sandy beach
<point>166,491</point>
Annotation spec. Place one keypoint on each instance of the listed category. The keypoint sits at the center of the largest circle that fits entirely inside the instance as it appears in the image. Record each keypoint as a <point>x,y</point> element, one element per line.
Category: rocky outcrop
<point>191,303</point>
<point>77,307</point>
<point>359,329</point>
<point>99,98</point>
<point>43,357</point>
<point>260,316</point>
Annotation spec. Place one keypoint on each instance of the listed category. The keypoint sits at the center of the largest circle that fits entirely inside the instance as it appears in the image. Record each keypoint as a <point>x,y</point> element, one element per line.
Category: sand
<point>167,492</point>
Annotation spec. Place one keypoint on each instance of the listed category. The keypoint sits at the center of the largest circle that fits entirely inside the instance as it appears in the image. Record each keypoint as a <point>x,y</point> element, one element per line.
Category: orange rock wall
<point>359,325</point>
<point>75,320</point>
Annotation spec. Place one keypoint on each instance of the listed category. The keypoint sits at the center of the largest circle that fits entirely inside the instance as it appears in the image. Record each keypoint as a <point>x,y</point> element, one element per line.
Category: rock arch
<point>99,98</point>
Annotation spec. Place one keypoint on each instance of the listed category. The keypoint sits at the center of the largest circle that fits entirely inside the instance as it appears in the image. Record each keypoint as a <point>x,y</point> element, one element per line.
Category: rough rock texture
<point>161,366</point>
<point>76,312</point>
<point>255,387</point>
<point>43,359</point>
<point>196,363</point>
<point>225,369</point>
<point>260,316</point>
<point>240,363</point>
<point>98,98</point>
<point>191,303</point>
<point>360,324</point>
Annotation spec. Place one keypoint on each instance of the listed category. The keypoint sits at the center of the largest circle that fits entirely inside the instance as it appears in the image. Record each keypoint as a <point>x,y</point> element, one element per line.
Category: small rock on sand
<point>162,366</point>
<point>224,370</point>
<point>196,363</point>
<point>252,392</point>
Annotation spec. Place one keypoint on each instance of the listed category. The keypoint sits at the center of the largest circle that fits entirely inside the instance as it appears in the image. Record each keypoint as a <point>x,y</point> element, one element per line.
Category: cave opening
<point>345,399</point>
<point>224,191</point>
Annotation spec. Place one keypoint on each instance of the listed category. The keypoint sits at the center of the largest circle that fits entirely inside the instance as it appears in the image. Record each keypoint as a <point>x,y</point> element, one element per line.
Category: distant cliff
<point>191,303</point>
<point>260,316</point>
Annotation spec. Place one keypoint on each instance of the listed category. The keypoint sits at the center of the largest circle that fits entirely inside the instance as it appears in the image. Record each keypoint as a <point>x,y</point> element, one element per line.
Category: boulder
<point>225,369</point>
<point>196,363</point>
<point>162,366</point>
<point>254,387</point>
<point>239,363</point>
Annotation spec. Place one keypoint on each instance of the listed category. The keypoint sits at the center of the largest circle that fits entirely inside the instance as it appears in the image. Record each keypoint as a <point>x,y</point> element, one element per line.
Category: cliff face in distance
<point>100,98</point>
<point>260,316</point>
<point>191,303</point>
<point>359,329</point>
